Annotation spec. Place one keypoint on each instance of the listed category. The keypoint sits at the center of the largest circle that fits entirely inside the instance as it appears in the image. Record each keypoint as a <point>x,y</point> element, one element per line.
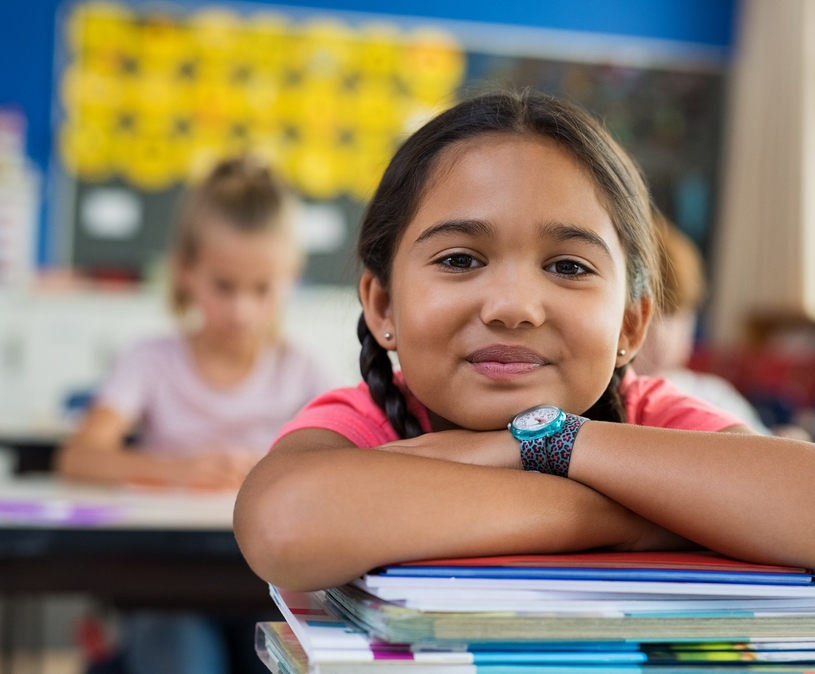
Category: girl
<point>207,404</point>
<point>510,261</point>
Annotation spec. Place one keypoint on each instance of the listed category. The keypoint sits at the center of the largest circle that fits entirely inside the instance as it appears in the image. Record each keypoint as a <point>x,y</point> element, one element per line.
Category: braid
<point>376,369</point>
<point>611,405</point>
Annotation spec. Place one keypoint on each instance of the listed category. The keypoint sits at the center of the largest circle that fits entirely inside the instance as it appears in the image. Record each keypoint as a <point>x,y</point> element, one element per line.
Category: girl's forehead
<point>511,178</point>
<point>225,244</point>
<point>216,231</point>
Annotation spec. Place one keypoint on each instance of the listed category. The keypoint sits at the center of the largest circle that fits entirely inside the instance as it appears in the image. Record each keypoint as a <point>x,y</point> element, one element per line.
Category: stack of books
<point>593,612</point>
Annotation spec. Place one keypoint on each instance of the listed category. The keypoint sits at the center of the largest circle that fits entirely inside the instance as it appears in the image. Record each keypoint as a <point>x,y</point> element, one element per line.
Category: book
<point>390,621</point>
<point>586,584</point>
<point>316,641</point>
<point>518,615</point>
<point>704,560</point>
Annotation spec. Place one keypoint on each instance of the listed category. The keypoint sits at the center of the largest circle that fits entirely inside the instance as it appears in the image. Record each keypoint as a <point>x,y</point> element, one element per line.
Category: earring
<point>621,352</point>
<point>388,335</point>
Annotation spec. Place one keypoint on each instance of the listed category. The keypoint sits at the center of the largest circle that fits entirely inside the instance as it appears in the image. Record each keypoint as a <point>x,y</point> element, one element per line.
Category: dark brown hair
<point>241,193</point>
<point>528,113</point>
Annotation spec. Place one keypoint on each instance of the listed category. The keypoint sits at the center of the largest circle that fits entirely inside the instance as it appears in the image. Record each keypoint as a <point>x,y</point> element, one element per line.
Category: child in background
<point>669,344</point>
<point>206,403</point>
<point>510,260</point>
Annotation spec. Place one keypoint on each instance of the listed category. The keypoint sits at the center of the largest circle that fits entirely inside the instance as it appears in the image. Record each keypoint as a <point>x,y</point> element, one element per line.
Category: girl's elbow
<point>273,535</point>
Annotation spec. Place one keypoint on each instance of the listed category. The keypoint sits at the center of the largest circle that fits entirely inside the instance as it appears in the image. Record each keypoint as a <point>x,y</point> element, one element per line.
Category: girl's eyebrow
<point>562,232</point>
<point>553,230</point>
<point>466,227</point>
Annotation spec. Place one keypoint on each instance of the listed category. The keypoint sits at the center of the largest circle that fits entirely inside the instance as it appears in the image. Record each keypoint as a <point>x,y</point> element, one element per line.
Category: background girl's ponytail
<point>377,371</point>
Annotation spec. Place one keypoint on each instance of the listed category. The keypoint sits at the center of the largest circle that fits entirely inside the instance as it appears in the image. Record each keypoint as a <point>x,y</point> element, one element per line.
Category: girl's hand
<point>213,470</point>
<point>318,512</point>
<point>650,537</point>
<point>497,449</point>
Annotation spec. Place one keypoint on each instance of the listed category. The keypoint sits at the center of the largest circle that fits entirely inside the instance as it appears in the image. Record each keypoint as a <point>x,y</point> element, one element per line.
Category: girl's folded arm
<point>318,511</point>
<point>747,496</point>
<point>742,494</point>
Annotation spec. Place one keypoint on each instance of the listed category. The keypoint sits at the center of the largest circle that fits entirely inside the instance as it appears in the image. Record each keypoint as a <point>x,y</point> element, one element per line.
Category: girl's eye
<point>460,261</point>
<point>568,268</point>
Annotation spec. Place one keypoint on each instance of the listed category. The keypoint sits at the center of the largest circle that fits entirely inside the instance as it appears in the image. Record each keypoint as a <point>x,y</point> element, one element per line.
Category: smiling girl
<point>510,260</point>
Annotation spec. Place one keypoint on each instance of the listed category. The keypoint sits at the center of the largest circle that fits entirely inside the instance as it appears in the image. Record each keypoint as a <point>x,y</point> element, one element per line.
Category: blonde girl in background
<point>207,402</point>
<point>510,261</point>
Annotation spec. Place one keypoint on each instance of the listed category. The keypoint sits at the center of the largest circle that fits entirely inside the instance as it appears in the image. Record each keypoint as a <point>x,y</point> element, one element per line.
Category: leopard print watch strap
<point>551,454</point>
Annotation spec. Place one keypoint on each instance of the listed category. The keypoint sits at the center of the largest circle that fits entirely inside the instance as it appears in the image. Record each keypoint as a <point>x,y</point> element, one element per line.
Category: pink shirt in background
<point>650,401</point>
<point>155,384</point>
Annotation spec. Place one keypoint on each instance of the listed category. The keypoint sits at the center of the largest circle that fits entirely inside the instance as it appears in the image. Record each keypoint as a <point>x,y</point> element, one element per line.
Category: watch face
<point>536,418</point>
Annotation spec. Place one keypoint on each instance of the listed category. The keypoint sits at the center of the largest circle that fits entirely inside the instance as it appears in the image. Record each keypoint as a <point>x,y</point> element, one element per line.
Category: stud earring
<point>388,335</point>
<point>621,352</point>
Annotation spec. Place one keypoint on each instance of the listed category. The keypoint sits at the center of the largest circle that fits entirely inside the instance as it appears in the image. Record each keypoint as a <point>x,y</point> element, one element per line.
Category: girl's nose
<point>513,299</point>
<point>243,308</point>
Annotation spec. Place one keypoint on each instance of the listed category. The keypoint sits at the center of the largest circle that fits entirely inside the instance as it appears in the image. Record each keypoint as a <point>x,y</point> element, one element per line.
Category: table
<point>130,547</point>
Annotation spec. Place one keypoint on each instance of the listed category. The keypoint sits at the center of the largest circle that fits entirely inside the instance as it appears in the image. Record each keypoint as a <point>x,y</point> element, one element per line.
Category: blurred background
<point>109,110</point>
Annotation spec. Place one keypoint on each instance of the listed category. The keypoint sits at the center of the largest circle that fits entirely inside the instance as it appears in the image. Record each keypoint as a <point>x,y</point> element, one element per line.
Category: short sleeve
<point>125,389</point>
<point>350,412</point>
<point>653,401</point>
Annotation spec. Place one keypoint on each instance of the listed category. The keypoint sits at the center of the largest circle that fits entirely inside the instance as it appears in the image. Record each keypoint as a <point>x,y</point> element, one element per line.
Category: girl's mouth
<point>502,361</point>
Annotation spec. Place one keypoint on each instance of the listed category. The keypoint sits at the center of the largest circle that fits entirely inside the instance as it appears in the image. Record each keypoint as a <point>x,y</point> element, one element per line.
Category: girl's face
<point>239,281</point>
<point>508,287</point>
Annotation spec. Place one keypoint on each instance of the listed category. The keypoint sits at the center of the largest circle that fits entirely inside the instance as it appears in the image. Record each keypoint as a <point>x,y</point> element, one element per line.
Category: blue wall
<point>27,35</point>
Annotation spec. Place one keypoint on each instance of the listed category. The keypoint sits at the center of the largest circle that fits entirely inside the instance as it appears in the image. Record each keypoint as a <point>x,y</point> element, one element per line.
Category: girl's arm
<point>736,492</point>
<point>318,511</point>
<point>747,496</point>
<point>96,453</point>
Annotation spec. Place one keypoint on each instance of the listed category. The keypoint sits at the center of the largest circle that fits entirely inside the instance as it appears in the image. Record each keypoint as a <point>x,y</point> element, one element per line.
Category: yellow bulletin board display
<point>154,98</point>
<point>149,96</point>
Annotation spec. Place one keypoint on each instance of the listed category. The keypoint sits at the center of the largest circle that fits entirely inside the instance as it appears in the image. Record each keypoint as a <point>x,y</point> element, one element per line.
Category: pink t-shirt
<point>649,401</point>
<point>155,384</point>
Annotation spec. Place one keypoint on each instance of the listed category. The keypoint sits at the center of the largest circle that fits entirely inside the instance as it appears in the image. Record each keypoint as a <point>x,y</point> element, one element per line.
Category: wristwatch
<point>547,435</point>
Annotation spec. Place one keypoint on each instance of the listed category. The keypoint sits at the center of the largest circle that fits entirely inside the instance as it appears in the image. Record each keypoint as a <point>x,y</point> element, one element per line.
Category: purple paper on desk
<point>59,512</point>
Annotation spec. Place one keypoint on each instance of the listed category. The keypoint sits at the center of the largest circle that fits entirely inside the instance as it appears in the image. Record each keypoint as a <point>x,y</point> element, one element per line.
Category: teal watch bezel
<point>551,428</point>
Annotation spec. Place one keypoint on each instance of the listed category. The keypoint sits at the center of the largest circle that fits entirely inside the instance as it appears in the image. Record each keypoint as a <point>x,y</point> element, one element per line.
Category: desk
<point>128,546</point>
<point>132,548</point>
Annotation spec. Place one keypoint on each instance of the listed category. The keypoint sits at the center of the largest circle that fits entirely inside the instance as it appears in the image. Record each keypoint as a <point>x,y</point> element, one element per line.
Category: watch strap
<point>551,454</point>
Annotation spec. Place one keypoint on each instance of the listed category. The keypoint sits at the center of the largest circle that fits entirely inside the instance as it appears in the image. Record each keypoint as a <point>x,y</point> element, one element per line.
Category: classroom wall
<point>27,35</point>
<point>55,349</point>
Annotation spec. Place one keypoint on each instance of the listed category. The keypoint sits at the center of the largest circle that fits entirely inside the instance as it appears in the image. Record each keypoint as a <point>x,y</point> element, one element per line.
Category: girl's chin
<point>239,338</point>
<point>471,422</point>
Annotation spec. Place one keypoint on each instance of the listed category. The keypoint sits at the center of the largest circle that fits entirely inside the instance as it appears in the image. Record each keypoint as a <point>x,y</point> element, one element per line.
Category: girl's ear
<point>635,326</point>
<point>376,305</point>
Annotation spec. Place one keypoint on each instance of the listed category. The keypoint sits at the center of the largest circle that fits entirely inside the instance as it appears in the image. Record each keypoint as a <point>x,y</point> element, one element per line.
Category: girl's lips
<point>496,370</point>
<point>501,361</point>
